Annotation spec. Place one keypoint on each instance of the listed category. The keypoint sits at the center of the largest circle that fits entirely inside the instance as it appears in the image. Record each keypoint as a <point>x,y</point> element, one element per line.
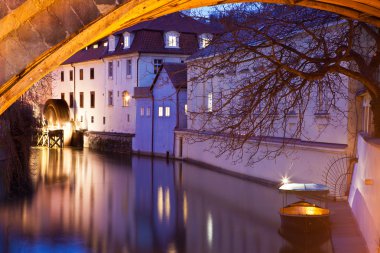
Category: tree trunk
<point>375,107</point>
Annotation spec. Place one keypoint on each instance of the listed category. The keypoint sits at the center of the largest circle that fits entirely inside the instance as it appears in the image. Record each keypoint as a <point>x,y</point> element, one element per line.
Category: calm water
<point>90,202</point>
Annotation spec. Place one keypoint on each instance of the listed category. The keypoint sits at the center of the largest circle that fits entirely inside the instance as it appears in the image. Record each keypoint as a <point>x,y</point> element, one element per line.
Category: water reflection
<point>89,202</point>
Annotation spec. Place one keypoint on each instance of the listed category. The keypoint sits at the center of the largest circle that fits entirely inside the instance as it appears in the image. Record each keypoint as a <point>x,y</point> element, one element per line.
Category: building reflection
<point>90,202</point>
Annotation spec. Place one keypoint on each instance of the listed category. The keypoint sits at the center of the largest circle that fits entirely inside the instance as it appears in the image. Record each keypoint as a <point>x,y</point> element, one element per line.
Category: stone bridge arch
<point>36,36</point>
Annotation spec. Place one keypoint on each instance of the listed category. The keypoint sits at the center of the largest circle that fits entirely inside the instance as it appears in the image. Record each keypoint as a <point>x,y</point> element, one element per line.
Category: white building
<point>325,135</point>
<point>167,96</point>
<point>98,82</point>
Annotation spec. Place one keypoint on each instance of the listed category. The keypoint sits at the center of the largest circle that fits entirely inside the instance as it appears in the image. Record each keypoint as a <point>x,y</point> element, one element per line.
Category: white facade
<point>110,113</point>
<point>106,72</point>
<point>325,135</point>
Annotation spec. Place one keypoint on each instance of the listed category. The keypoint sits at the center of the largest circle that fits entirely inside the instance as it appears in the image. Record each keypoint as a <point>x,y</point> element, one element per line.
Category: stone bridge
<point>36,36</point>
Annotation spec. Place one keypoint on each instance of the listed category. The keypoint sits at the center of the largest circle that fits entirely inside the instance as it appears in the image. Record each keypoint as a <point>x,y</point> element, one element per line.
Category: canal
<point>90,202</point>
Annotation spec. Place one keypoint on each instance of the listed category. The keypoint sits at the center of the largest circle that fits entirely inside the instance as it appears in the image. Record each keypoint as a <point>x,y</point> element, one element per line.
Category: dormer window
<point>95,46</point>
<point>172,39</point>
<point>204,40</point>
<point>105,44</point>
<point>111,43</point>
<point>128,38</point>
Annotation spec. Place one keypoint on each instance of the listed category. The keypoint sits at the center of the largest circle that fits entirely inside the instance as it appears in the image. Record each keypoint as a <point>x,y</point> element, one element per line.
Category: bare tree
<point>274,66</point>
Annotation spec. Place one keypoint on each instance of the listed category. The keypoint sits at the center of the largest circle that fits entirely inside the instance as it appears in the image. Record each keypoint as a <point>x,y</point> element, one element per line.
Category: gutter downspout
<point>137,68</point>
<point>74,97</point>
<point>177,119</point>
<point>152,128</point>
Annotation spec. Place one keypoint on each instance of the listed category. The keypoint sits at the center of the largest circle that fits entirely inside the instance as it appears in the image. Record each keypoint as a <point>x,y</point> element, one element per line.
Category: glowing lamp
<point>285,180</point>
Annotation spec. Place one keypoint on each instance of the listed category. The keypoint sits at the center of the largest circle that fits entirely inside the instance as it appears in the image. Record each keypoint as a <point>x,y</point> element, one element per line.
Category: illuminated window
<point>186,109</point>
<point>126,98</point>
<point>142,111</point>
<point>204,40</point>
<point>167,111</point>
<point>128,37</point>
<point>95,46</point>
<point>160,111</point>
<point>172,39</point>
<point>209,102</point>
<point>105,44</point>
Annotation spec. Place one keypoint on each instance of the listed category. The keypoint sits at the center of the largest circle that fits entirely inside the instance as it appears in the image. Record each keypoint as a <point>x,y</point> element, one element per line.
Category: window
<point>204,40</point>
<point>147,112</point>
<point>128,37</point>
<point>92,73</point>
<point>62,76</point>
<point>95,46</point>
<point>92,99</point>
<point>209,102</point>
<point>71,75</point>
<point>81,74</point>
<point>110,98</point>
<point>142,111</point>
<point>63,96</point>
<point>92,119</point>
<point>126,98</point>
<point>104,120</point>
<point>111,43</point>
<point>81,118</point>
<point>172,39</point>
<point>81,98</point>
<point>129,68</point>
<point>160,111</point>
<point>322,100</point>
<point>71,99</point>
<point>157,64</point>
<point>110,70</point>
<point>128,118</point>
<point>186,109</point>
<point>167,111</point>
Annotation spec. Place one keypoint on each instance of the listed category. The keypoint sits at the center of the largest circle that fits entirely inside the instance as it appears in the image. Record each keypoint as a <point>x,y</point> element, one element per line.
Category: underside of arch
<point>36,36</point>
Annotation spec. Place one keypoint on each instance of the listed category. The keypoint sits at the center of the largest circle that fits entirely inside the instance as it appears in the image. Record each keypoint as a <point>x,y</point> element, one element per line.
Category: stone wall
<point>306,162</point>
<point>108,142</point>
<point>364,193</point>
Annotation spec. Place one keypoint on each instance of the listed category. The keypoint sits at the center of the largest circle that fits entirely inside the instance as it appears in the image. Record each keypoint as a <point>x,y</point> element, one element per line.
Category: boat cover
<point>304,188</point>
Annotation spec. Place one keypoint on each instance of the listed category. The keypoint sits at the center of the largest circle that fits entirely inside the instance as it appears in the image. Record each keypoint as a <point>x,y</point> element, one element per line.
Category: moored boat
<point>304,216</point>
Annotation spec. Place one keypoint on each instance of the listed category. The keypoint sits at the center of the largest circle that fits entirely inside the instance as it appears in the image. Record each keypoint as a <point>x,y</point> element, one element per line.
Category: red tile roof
<point>142,92</point>
<point>177,73</point>
<point>172,22</point>
<point>149,38</point>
